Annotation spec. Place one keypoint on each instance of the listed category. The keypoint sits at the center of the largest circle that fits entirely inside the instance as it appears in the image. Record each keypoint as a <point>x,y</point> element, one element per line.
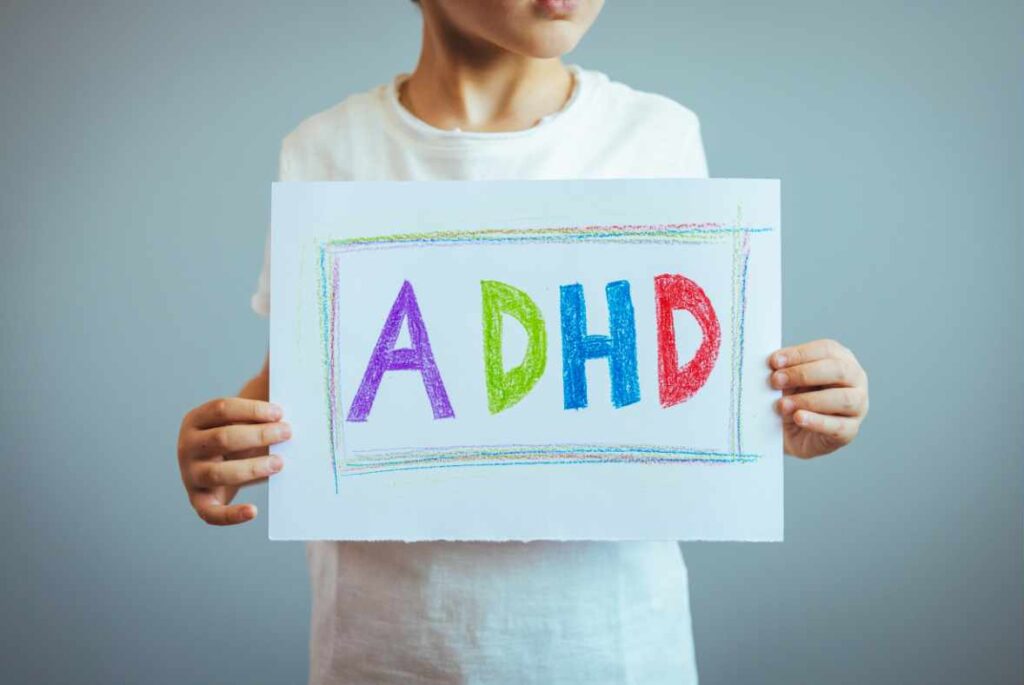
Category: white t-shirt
<point>517,613</point>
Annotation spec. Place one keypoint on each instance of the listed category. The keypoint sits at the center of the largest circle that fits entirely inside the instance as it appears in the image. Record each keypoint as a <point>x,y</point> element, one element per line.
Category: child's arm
<point>223,446</point>
<point>825,396</point>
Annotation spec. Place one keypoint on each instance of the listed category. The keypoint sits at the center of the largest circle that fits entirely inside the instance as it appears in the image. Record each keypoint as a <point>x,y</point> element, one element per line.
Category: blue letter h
<point>619,347</point>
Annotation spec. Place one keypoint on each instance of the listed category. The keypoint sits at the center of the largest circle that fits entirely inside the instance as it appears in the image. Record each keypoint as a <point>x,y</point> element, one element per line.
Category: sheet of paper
<point>526,360</point>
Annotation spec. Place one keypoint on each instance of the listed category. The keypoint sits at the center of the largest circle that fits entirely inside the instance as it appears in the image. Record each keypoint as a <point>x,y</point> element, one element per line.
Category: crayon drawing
<point>605,338</point>
<point>676,383</point>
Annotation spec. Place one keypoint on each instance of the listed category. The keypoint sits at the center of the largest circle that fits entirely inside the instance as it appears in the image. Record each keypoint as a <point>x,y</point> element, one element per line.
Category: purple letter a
<point>416,358</point>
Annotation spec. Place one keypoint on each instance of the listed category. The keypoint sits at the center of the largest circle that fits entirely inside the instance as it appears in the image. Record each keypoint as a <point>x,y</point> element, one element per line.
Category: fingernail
<point>280,432</point>
<point>786,405</point>
<point>803,419</point>
<point>276,433</point>
<point>274,463</point>
<point>274,412</point>
<point>780,360</point>
<point>781,379</point>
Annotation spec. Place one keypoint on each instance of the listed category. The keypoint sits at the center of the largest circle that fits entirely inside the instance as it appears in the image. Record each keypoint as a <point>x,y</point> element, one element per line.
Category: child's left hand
<point>825,396</point>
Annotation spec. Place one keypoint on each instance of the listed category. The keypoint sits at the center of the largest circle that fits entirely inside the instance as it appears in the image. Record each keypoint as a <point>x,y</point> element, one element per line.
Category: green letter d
<point>504,389</point>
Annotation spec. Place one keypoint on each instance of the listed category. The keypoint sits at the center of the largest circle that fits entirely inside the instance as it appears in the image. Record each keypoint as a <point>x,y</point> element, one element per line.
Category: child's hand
<point>221,447</point>
<point>825,396</point>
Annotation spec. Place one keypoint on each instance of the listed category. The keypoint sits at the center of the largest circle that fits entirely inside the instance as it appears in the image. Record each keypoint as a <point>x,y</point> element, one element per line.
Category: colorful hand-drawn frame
<point>392,460</point>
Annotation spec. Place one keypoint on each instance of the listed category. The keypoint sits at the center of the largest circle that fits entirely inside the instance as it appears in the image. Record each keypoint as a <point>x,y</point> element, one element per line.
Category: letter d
<point>506,388</point>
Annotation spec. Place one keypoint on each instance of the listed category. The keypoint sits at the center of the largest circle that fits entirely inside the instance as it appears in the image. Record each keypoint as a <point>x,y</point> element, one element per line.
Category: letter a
<point>506,388</point>
<point>386,357</point>
<point>676,384</point>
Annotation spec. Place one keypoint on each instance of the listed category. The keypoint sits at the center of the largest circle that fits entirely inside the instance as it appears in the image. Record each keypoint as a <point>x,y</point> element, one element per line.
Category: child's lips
<point>558,8</point>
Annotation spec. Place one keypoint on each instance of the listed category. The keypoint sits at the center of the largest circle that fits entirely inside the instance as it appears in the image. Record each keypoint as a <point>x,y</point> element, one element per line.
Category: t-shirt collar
<point>422,129</point>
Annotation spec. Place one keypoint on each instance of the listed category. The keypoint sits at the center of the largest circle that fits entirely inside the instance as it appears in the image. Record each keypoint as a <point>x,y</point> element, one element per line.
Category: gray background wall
<point>137,142</point>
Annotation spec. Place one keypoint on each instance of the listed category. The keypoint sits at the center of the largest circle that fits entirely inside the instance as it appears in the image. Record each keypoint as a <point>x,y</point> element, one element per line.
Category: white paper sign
<point>526,360</point>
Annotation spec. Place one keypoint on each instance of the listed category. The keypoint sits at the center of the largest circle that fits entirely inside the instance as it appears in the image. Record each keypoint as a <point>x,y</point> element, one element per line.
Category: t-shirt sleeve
<point>693,150</point>
<point>689,144</point>
<point>260,300</point>
<point>665,137</point>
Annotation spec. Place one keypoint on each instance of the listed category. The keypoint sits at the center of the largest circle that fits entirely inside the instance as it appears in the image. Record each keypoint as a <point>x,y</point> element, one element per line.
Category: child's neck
<point>472,86</point>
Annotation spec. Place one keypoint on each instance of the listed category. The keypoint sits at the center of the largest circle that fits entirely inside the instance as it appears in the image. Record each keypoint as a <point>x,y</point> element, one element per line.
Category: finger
<point>226,410</point>
<point>808,352</point>
<point>842,429</point>
<point>211,510</point>
<point>829,371</point>
<point>247,454</point>
<point>220,441</point>
<point>211,474</point>
<point>840,401</point>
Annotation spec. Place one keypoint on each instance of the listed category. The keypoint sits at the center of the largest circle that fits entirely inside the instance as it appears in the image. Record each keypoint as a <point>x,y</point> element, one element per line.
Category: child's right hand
<point>223,446</point>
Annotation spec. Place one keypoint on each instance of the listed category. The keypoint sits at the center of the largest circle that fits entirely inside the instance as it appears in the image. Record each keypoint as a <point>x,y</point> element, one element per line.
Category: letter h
<point>619,346</point>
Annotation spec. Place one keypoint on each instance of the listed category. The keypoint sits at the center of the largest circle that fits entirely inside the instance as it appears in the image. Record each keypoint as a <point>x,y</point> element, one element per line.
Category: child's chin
<point>553,40</point>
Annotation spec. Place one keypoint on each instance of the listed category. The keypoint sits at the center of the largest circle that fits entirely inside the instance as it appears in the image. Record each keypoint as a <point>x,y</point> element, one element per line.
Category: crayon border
<point>374,462</point>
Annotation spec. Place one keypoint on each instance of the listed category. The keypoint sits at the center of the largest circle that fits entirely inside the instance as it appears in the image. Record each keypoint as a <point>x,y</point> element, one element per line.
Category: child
<point>490,98</point>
